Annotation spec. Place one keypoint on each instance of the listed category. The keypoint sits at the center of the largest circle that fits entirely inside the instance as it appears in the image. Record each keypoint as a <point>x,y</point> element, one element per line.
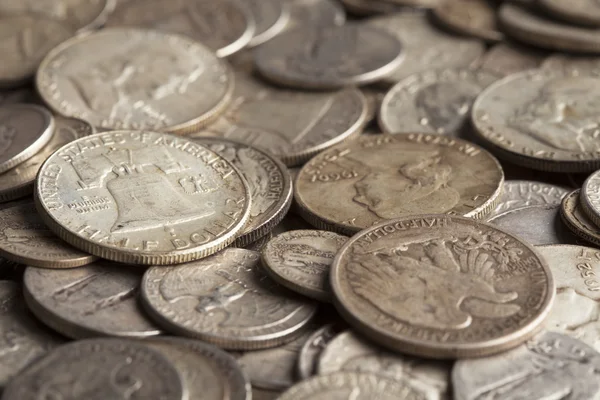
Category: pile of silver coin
<point>300,200</point>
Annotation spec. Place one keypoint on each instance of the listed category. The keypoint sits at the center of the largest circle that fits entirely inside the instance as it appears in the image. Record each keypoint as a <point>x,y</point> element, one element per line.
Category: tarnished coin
<point>26,240</point>
<point>527,26</point>
<point>349,352</point>
<point>550,366</point>
<point>433,101</point>
<point>270,16</point>
<point>300,260</point>
<point>312,349</point>
<point>442,286</point>
<point>542,119</point>
<point>519,194</point>
<point>315,13</point>
<point>24,130</point>
<point>18,181</point>
<point>576,309</point>
<point>577,221</point>
<point>25,39</point>
<point>99,299</point>
<point>577,12</point>
<point>507,58</point>
<point>573,65</point>
<point>208,373</point>
<point>425,47</point>
<point>23,340</point>
<point>135,79</point>
<point>227,300</point>
<point>99,369</point>
<point>350,385</point>
<point>329,57</point>
<point>142,197</point>
<point>263,394</point>
<point>224,26</point>
<point>590,197</point>
<point>470,17</point>
<point>269,182</point>
<point>388,176</point>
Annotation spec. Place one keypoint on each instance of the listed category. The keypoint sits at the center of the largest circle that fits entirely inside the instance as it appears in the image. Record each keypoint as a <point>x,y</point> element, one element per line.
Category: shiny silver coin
<point>518,194</point>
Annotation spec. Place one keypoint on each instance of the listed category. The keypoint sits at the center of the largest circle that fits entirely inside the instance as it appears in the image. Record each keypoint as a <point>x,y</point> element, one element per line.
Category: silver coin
<point>312,349</point>
<point>99,299</point>
<point>577,221</point>
<point>263,394</point>
<point>433,101</point>
<point>518,194</point>
<point>315,13</point>
<point>507,58</point>
<point>99,369</point>
<point>573,65</point>
<point>550,366</point>
<point>590,197</point>
<point>22,339</point>
<point>576,12</point>
<point>270,16</point>
<point>259,244</point>
<point>208,373</point>
<point>349,352</point>
<point>225,299</point>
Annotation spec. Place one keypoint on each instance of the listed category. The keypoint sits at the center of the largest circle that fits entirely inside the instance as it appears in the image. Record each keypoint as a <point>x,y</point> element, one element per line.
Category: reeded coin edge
<point>571,223</point>
<point>589,209</point>
<point>47,263</point>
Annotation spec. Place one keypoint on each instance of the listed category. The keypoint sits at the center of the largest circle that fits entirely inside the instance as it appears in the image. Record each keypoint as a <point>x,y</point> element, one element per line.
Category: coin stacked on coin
<point>273,199</point>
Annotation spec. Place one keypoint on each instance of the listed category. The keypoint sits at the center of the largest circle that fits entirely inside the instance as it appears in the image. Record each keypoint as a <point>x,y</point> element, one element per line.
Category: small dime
<point>208,372</point>
<point>519,194</point>
<point>126,78</point>
<point>18,181</point>
<point>269,182</point>
<point>24,130</point>
<point>433,101</point>
<point>573,65</point>
<point>224,26</point>
<point>507,58</point>
<point>349,352</point>
<point>541,119</point>
<point>577,12</point>
<point>25,239</point>
<point>99,193</point>
<point>550,366</point>
<point>99,299</point>
<point>270,16</point>
<point>315,13</point>
<point>470,17</point>
<point>329,57</point>
<point>442,286</point>
<point>23,340</point>
<point>425,47</point>
<point>577,221</point>
<point>576,309</point>
<point>388,176</point>
<point>590,197</point>
<point>525,25</point>
<point>351,385</point>
<point>300,260</point>
<point>226,300</point>
<point>99,369</point>
<point>312,349</point>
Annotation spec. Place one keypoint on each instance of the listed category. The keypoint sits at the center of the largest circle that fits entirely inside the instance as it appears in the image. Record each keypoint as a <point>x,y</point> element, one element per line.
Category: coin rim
<point>275,29</point>
<point>568,15</point>
<point>440,15</point>
<point>572,223</point>
<point>589,209</point>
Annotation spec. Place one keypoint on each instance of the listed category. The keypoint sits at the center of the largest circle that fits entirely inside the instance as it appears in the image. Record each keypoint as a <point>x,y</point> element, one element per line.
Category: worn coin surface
<point>269,181</point>
<point>99,369</point>
<point>224,26</point>
<point>312,349</point>
<point>98,193</point>
<point>525,25</point>
<point>470,17</point>
<point>226,300</point>
<point>23,339</point>
<point>518,194</point>
<point>270,16</point>
<point>127,78</point>
<point>208,372</point>
<point>99,299</point>
<point>24,130</point>
<point>264,394</point>
<point>351,385</point>
<point>577,12</point>
<point>425,47</point>
<point>349,352</point>
<point>25,239</point>
<point>577,221</point>
<point>507,58</point>
<point>441,286</point>
<point>542,119</point>
<point>590,197</point>
<point>300,260</point>
<point>315,13</point>
<point>18,181</point>
<point>388,176</point>
<point>575,65</point>
<point>433,101</point>
<point>329,57</point>
<point>550,366</point>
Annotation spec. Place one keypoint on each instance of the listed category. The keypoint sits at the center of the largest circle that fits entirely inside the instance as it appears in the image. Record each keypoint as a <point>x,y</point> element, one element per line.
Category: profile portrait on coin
<point>307,258</point>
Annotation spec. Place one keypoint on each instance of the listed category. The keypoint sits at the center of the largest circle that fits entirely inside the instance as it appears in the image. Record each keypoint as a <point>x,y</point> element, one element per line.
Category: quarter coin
<point>126,78</point>
<point>311,351</point>
<point>507,58</point>
<point>382,177</point>
<point>99,299</point>
<point>577,221</point>
<point>470,17</point>
<point>576,12</point>
<point>226,300</point>
<point>442,286</point>
<point>98,193</point>
<point>518,194</point>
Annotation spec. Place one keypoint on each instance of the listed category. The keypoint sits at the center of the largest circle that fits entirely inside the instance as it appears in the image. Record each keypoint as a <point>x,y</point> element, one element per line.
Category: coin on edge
<point>226,300</point>
<point>99,368</point>
<point>589,197</point>
<point>127,78</point>
<point>269,182</point>
<point>468,289</point>
<point>542,120</point>
<point>271,17</point>
<point>312,349</point>
<point>576,12</point>
<point>577,221</point>
<point>98,193</point>
<point>518,194</point>
<point>507,58</point>
<point>470,17</point>
<point>300,260</point>
<point>329,57</point>
<point>389,176</point>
